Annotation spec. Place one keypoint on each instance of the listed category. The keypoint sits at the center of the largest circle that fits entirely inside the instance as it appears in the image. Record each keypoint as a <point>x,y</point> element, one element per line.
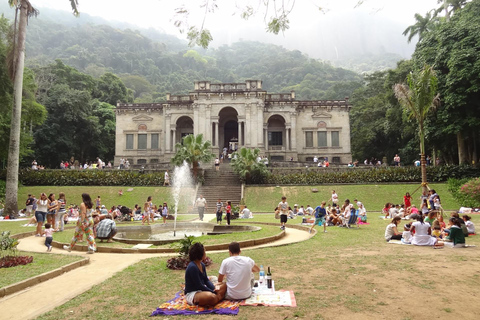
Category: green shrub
<point>375,175</point>
<point>469,192</point>
<point>89,178</point>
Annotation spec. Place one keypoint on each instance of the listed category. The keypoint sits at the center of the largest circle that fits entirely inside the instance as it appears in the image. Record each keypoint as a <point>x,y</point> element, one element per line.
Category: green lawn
<point>374,197</point>
<point>109,195</point>
<point>42,262</point>
<point>345,272</point>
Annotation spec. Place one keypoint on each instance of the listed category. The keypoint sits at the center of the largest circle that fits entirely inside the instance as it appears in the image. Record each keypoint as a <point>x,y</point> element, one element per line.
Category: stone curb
<point>221,246</point>
<point>19,286</point>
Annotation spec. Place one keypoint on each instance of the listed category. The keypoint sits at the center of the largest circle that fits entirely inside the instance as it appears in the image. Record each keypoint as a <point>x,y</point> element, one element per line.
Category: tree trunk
<point>423,167</point>
<point>462,156</point>
<point>11,205</point>
<point>474,154</point>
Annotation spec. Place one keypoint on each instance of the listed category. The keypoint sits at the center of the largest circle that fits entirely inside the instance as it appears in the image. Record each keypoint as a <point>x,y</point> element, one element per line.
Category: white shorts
<point>190,297</point>
<point>30,209</point>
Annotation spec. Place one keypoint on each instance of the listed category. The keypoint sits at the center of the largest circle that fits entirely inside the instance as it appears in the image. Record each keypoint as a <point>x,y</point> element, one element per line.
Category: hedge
<point>29,177</point>
<point>375,175</point>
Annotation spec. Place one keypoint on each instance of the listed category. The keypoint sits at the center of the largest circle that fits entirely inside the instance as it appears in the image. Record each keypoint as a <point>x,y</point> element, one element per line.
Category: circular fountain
<point>164,233</point>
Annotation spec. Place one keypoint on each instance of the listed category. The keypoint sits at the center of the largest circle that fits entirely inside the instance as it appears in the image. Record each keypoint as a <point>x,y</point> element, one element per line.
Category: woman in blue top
<point>199,290</point>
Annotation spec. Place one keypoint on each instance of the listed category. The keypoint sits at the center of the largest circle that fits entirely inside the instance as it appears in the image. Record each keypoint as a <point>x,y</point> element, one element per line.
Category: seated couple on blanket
<point>199,290</point>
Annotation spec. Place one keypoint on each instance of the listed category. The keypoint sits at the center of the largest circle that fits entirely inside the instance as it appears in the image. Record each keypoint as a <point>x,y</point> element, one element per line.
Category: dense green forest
<point>78,72</point>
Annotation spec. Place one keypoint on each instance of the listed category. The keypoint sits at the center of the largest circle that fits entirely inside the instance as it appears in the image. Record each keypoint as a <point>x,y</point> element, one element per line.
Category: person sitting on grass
<point>106,229</point>
<point>239,273</point>
<point>199,290</point>
<point>423,234</point>
<point>469,224</point>
<point>320,213</point>
<point>362,213</point>
<point>456,237</point>
<point>407,235</point>
<point>391,232</point>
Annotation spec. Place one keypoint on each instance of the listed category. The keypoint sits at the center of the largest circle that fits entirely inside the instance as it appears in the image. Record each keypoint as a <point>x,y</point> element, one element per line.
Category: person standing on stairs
<point>201,205</point>
<point>217,164</point>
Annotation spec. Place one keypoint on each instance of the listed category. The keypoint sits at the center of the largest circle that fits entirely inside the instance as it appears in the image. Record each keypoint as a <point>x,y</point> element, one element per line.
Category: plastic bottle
<point>261,276</point>
<point>269,279</point>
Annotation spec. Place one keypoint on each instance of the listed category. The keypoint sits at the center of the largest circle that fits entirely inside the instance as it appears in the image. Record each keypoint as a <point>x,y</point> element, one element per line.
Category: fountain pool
<point>159,234</point>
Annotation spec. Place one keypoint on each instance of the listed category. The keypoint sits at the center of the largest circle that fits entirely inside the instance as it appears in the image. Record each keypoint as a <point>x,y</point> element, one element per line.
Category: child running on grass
<point>320,213</point>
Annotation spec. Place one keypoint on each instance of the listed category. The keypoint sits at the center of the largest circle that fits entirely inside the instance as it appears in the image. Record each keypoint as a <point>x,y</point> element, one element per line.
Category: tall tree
<point>454,49</point>
<point>193,150</point>
<point>418,98</point>
<point>17,65</point>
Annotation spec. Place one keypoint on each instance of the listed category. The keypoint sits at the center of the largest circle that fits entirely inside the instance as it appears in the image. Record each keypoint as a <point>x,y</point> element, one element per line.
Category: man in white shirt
<point>239,272</point>
<point>201,204</point>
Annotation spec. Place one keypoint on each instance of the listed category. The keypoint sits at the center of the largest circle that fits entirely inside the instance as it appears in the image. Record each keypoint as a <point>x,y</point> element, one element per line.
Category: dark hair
<point>50,196</point>
<point>455,214</point>
<point>465,217</point>
<point>455,221</point>
<point>48,225</point>
<point>196,252</point>
<point>149,198</point>
<point>234,248</point>
<point>284,198</point>
<point>87,200</point>
<point>229,203</point>
<point>396,220</point>
<point>419,218</point>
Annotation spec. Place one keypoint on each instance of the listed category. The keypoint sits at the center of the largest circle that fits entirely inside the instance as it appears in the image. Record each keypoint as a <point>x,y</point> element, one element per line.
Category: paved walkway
<point>24,304</point>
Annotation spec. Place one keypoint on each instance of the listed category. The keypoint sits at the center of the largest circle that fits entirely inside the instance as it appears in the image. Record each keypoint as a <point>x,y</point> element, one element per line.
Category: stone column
<point>239,134</point>
<point>293,133</point>
<point>287,135</point>
<point>167,133</point>
<point>217,138</point>
<point>195,119</point>
<point>265,136</point>
<point>174,140</point>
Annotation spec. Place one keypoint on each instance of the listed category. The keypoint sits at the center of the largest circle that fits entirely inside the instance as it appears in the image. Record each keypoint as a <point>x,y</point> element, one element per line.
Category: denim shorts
<point>40,216</point>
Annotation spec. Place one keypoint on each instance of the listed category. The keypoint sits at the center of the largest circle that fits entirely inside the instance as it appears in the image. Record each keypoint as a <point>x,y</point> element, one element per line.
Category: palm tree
<point>421,26</point>
<point>418,98</point>
<point>16,66</point>
<point>193,150</point>
<point>454,6</point>
<point>245,163</point>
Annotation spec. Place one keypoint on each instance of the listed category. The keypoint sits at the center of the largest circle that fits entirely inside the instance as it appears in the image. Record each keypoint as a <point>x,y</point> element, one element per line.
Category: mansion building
<point>235,115</point>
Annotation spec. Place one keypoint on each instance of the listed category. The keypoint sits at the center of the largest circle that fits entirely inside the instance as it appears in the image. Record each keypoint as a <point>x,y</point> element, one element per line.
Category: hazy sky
<point>226,25</point>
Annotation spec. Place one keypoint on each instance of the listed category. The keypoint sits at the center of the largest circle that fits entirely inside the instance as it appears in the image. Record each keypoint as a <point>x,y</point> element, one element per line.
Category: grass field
<point>42,262</point>
<point>341,274</point>
<point>109,195</point>
<point>374,197</point>
<point>258,199</point>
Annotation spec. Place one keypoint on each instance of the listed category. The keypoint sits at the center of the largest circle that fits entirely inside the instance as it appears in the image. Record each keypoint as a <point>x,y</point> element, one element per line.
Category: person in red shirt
<point>228,209</point>
<point>407,200</point>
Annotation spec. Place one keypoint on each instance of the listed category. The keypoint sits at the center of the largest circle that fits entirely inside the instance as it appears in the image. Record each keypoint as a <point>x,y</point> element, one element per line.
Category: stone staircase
<point>223,184</point>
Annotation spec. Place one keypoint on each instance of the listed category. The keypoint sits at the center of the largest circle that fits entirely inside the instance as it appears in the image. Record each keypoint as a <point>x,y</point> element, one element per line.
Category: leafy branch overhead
<point>275,15</point>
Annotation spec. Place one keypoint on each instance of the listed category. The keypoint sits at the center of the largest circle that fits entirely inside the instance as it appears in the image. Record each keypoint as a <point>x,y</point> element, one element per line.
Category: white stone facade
<point>241,114</point>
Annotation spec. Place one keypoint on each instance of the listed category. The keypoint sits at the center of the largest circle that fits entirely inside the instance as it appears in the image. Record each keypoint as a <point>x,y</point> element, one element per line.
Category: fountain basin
<point>158,234</point>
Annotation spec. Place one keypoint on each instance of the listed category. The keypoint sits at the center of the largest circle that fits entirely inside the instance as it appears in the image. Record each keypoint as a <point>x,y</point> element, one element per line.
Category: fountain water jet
<point>183,189</point>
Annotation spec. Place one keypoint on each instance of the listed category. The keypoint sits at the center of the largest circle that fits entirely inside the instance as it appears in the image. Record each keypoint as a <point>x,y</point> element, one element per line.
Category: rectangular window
<point>129,145</point>
<point>309,139</point>
<point>275,138</point>
<point>154,143</point>
<point>142,141</point>
<point>322,138</point>
<point>336,159</point>
<point>335,139</point>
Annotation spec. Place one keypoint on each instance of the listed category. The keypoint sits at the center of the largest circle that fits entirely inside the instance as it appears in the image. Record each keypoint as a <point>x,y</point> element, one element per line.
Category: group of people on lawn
<point>331,215</point>
<point>431,230</point>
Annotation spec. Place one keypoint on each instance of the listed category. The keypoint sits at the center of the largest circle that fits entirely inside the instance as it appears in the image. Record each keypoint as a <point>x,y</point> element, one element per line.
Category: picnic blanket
<point>179,306</point>
<point>279,298</point>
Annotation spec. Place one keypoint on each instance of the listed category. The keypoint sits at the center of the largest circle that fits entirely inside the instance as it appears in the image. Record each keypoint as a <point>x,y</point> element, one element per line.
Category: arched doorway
<point>184,127</point>
<point>228,128</point>
<point>276,133</point>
